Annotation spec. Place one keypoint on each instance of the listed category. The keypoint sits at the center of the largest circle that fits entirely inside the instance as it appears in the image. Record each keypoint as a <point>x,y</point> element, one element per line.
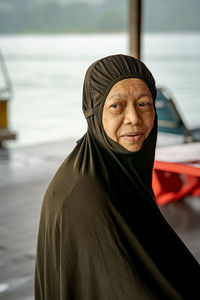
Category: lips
<point>132,136</point>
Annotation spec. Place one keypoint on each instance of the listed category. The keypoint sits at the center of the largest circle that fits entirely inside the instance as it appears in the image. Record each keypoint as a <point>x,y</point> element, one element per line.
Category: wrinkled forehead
<point>105,73</point>
<point>129,86</point>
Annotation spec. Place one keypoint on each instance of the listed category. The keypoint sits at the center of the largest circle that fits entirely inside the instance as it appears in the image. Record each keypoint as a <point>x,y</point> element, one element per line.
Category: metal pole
<point>135,8</point>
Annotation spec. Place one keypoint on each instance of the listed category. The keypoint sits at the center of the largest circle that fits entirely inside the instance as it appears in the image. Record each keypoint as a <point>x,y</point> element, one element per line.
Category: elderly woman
<point>101,234</point>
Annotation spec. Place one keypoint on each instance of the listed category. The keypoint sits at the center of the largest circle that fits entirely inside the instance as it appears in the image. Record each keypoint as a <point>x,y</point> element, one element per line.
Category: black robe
<point>101,234</point>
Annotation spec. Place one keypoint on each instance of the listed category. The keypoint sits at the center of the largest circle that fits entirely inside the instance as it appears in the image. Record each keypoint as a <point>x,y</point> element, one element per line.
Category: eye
<point>145,105</point>
<point>115,106</point>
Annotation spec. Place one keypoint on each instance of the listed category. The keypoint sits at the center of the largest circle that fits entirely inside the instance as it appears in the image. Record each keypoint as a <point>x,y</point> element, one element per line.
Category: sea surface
<point>47,73</point>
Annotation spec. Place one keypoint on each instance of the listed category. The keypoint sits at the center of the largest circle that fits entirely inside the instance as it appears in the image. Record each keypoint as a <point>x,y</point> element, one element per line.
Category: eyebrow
<point>145,95</point>
<point>124,96</point>
<point>117,96</point>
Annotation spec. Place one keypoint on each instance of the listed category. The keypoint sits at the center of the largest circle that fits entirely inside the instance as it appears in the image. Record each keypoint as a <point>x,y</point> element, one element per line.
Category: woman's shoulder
<point>87,200</point>
<point>74,191</point>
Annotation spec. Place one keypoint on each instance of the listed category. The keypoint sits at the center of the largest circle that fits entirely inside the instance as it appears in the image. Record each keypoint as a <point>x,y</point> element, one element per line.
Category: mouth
<point>132,136</point>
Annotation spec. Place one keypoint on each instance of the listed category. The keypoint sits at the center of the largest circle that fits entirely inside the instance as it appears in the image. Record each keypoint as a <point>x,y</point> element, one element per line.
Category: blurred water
<point>48,71</point>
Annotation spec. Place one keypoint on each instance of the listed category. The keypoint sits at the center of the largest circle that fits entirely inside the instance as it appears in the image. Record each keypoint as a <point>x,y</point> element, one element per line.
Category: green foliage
<point>171,15</point>
<point>39,16</point>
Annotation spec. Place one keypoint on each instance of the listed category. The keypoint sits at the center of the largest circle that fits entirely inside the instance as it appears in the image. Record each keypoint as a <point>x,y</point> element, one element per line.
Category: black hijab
<point>101,234</point>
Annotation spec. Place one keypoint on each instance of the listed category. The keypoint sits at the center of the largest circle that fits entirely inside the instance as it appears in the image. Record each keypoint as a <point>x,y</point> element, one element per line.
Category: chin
<point>133,148</point>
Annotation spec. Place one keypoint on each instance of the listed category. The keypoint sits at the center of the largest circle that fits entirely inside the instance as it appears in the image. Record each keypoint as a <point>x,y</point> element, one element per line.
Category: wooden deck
<point>24,176</point>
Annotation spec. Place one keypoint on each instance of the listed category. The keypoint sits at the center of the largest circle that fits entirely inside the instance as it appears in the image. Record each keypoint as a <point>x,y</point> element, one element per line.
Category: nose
<point>132,116</point>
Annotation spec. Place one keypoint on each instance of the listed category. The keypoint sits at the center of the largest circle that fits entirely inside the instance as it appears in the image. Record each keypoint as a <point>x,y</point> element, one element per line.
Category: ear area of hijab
<point>88,112</point>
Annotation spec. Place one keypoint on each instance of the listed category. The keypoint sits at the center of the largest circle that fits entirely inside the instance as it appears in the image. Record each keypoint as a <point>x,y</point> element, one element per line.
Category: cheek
<point>116,124</point>
<point>149,121</point>
<point>111,125</point>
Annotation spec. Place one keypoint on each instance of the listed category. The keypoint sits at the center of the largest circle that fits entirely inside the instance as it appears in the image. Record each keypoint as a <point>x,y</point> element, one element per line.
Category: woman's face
<point>128,113</point>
